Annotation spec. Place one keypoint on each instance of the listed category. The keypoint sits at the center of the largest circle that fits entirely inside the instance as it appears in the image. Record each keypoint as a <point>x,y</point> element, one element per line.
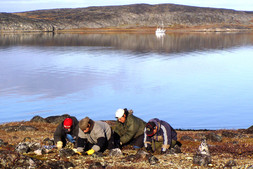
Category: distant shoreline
<point>144,30</point>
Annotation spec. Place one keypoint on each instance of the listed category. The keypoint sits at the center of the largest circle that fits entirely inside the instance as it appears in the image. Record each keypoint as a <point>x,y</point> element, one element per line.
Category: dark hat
<point>150,126</point>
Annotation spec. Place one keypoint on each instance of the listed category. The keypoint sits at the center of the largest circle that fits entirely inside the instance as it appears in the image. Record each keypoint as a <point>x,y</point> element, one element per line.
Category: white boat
<point>160,31</point>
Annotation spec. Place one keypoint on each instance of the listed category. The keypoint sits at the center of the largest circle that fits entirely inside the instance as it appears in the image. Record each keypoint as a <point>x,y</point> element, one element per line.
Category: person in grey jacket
<point>94,136</point>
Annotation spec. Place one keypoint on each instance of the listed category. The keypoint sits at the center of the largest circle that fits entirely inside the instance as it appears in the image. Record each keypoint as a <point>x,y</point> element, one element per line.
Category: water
<point>192,81</point>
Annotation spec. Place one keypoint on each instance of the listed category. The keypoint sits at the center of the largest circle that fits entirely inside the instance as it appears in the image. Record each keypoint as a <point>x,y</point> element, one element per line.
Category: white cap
<point>119,113</point>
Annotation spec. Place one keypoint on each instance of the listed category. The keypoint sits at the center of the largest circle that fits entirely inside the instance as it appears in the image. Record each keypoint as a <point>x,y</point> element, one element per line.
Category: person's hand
<point>90,152</point>
<point>59,145</point>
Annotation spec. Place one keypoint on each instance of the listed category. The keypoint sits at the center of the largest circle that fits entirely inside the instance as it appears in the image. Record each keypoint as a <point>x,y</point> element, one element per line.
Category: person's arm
<point>81,142</point>
<point>130,132</point>
<point>99,133</point>
<point>166,137</point>
<point>58,133</point>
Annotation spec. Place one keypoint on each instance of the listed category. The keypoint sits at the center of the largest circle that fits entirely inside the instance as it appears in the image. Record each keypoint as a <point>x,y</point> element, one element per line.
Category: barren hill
<point>125,17</point>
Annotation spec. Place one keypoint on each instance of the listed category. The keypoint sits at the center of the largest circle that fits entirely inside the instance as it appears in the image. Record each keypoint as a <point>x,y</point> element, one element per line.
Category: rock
<point>97,154</point>
<point>176,149</point>
<point>230,163</point>
<point>228,134</point>
<point>39,151</point>
<point>1,142</point>
<point>249,130</point>
<point>202,160</point>
<point>22,148</point>
<point>116,152</point>
<point>19,128</point>
<point>139,156</point>
<point>27,139</point>
<point>56,119</point>
<point>34,146</point>
<point>11,159</point>
<point>153,160</point>
<point>185,137</point>
<point>66,152</point>
<point>58,164</point>
<point>96,165</point>
<point>202,156</point>
<point>214,137</point>
<point>38,119</point>
<point>48,142</point>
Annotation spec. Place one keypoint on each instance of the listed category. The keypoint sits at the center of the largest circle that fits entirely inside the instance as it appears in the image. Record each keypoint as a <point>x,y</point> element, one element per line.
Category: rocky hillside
<point>124,17</point>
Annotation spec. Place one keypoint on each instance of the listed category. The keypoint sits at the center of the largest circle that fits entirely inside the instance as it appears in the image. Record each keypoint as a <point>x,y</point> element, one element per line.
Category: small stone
<point>153,160</point>
<point>230,163</point>
<point>47,141</point>
<point>201,159</point>
<point>96,165</point>
<point>38,152</point>
<point>22,148</point>
<point>116,152</point>
<point>66,152</point>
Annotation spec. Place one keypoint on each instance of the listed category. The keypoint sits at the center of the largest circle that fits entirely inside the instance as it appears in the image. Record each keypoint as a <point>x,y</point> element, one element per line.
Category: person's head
<point>85,125</point>
<point>151,129</point>
<point>121,115</point>
<point>67,124</point>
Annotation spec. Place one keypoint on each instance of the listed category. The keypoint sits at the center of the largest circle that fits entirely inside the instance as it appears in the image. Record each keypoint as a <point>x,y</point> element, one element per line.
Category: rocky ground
<point>29,144</point>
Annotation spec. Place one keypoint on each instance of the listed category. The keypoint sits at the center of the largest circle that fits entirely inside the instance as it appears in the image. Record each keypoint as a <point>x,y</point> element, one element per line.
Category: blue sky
<point>28,5</point>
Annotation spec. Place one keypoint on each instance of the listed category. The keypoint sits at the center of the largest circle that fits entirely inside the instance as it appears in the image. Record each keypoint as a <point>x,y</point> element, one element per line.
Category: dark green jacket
<point>132,128</point>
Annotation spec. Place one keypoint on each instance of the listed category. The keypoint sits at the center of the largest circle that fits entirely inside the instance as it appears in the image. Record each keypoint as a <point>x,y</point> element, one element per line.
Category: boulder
<point>228,134</point>
<point>19,128</point>
<point>38,119</point>
<point>56,119</point>
<point>186,138</point>
<point>214,137</point>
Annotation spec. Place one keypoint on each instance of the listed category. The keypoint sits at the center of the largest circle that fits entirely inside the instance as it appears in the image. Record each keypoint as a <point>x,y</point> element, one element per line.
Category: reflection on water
<point>208,86</point>
<point>170,43</point>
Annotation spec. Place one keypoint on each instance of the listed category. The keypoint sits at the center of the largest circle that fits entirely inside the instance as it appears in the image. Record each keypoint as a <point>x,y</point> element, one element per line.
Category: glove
<point>59,145</point>
<point>149,149</point>
<point>76,151</point>
<point>90,152</point>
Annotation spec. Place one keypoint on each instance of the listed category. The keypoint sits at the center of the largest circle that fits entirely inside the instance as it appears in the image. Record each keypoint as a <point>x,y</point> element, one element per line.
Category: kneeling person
<point>94,136</point>
<point>67,130</point>
<point>160,131</point>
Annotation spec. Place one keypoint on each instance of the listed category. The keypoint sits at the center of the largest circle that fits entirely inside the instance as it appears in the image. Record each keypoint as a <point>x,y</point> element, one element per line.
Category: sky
<point>30,5</point>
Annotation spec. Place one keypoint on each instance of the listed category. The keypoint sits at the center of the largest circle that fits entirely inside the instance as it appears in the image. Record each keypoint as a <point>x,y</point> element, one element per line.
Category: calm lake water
<point>192,81</point>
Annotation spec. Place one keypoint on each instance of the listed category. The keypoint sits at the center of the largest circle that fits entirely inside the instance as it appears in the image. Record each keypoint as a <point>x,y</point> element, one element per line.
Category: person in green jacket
<point>129,128</point>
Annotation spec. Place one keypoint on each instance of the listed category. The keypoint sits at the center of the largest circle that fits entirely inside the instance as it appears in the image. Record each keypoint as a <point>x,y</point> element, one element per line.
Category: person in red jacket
<point>68,129</point>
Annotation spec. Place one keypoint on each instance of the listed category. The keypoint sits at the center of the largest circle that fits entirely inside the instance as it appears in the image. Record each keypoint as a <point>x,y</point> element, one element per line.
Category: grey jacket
<point>100,132</point>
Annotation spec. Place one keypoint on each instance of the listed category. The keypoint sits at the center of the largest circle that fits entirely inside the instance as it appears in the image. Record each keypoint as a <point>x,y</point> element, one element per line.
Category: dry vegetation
<point>235,149</point>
